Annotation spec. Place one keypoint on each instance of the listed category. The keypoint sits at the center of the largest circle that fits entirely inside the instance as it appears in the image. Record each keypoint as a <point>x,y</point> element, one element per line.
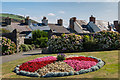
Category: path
<point>16,56</point>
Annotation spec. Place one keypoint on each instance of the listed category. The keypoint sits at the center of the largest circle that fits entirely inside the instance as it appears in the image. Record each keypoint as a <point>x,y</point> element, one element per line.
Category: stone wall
<point>15,37</point>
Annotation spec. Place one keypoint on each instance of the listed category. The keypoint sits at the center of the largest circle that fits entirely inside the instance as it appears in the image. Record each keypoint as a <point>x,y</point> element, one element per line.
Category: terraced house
<point>82,26</point>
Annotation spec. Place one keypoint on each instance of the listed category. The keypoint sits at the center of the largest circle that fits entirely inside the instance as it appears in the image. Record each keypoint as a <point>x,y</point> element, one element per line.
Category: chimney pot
<point>60,22</point>
<point>92,19</point>
<point>45,21</point>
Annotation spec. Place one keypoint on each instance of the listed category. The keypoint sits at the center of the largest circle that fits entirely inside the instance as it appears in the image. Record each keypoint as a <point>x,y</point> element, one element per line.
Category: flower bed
<point>52,67</point>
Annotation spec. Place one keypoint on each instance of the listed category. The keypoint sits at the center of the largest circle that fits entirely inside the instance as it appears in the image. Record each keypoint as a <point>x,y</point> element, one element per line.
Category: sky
<point>107,11</point>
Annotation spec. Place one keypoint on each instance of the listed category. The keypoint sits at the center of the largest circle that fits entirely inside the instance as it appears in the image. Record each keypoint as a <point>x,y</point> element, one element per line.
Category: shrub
<point>89,43</point>
<point>8,46</point>
<point>37,34</point>
<point>33,46</point>
<point>65,43</point>
<point>108,40</point>
<point>40,38</point>
<point>61,57</point>
<point>41,42</point>
<point>30,47</point>
<point>24,47</point>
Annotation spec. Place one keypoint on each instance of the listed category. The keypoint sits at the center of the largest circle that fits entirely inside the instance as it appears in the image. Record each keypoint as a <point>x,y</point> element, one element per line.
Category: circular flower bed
<point>55,66</point>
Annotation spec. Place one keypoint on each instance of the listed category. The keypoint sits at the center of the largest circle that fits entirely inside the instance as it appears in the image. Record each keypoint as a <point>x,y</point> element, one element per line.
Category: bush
<point>30,47</point>
<point>108,40</point>
<point>65,43</point>
<point>61,57</point>
<point>40,38</point>
<point>89,43</point>
<point>8,46</point>
<point>24,47</point>
<point>33,46</point>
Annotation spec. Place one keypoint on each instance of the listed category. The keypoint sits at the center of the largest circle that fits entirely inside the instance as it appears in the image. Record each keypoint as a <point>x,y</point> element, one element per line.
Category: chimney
<point>8,21</point>
<point>45,21</point>
<point>110,27</point>
<point>60,22</point>
<point>116,24</point>
<point>71,22</point>
<point>27,20</point>
<point>92,19</point>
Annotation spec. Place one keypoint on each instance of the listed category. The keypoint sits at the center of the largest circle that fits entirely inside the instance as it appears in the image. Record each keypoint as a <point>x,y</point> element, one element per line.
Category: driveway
<point>16,56</point>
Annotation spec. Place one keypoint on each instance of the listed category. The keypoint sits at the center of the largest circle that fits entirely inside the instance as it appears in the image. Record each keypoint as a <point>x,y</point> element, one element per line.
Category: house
<point>52,29</point>
<point>22,28</point>
<point>39,26</point>
<point>82,27</point>
<point>58,29</point>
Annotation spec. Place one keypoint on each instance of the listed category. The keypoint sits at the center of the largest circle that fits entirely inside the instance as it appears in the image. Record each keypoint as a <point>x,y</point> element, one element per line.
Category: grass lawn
<point>109,70</point>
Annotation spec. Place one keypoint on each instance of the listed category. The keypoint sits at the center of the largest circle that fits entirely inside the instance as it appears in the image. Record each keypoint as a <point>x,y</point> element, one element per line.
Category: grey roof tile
<point>58,29</point>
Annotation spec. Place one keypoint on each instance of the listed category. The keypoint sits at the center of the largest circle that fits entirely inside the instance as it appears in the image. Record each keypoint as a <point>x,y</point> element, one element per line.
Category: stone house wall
<point>15,37</point>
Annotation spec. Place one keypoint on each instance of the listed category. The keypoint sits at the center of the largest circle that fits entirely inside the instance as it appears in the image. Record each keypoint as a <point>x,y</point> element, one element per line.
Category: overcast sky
<point>107,11</point>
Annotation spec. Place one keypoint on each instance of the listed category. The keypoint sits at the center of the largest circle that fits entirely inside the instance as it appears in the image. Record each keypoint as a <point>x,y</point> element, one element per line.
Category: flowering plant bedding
<point>49,66</point>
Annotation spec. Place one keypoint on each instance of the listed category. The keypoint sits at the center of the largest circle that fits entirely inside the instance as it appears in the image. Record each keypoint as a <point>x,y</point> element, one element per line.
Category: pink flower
<point>78,65</point>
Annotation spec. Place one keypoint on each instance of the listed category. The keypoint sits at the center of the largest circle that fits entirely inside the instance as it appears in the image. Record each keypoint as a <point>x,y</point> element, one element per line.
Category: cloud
<point>62,12</point>
<point>51,14</point>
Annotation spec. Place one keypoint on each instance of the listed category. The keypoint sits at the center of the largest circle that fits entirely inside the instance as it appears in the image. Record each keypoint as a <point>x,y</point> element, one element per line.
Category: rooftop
<point>58,29</point>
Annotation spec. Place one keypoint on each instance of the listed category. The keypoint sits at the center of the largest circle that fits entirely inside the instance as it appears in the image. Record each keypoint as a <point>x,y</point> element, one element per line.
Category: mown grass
<point>109,70</point>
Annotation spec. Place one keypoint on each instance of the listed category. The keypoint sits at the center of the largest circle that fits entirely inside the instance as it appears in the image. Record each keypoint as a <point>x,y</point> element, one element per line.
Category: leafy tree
<point>40,38</point>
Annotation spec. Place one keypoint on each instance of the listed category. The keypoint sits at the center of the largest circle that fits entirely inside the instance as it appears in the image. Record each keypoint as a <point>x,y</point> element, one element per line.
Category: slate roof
<point>82,26</point>
<point>103,25</point>
<point>42,28</point>
<point>20,28</point>
<point>57,28</point>
<point>93,27</point>
<point>83,23</point>
<point>99,25</point>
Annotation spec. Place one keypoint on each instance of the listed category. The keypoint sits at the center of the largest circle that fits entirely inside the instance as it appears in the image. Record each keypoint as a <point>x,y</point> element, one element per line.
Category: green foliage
<point>30,47</point>
<point>89,43</point>
<point>65,43</point>
<point>8,46</point>
<point>25,47</point>
<point>108,40</point>
<point>61,57</point>
<point>33,46</point>
<point>40,38</point>
<point>38,34</point>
